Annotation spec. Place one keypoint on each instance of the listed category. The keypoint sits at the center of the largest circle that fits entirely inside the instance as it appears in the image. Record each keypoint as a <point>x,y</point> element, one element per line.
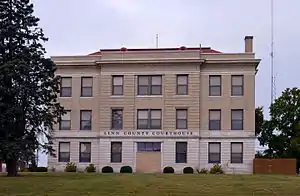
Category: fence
<point>274,166</point>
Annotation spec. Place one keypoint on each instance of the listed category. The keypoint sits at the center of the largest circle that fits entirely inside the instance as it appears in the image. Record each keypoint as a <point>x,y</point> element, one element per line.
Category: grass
<point>55,184</point>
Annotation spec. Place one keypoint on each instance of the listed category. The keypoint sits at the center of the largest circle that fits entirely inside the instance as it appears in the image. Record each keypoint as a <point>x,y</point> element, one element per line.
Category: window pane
<point>214,125</point>
<point>155,124</point>
<point>214,114</point>
<point>181,158</point>
<point>237,114</point>
<point>214,158</point>
<point>66,92</point>
<point>87,92</point>
<point>237,124</point>
<point>156,90</point>
<point>214,147</point>
<point>87,82</point>
<point>182,89</point>
<point>85,147</point>
<point>86,115</point>
<point>237,80</point>
<point>66,116</point>
<point>181,147</point>
<point>142,124</point>
<point>215,91</point>
<point>181,124</point>
<point>116,147</point>
<point>156,146</point>
<point>236,147</point>
<point>143,80</point>
<point>215,80</point>
<point>142,114</point>
<point>155,114</point>
<point>143,90</point>
<point>65,125</point>
<point>66,82</point>
<point>182,80</point>
<point>141,146</point>
<point>149,146</point>
<point>236,158</point>
<point>86,125</point>
<point>237,91</point>
<point>118,80</point>
<point>181,114</point>
<point>117,119</point>
<point>64,147</point>
<point>116,158</point>
<point>117,90</point>
<point>156,80</point>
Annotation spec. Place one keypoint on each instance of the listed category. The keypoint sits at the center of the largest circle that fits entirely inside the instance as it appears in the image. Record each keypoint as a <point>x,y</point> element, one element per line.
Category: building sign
<point>146,133</point>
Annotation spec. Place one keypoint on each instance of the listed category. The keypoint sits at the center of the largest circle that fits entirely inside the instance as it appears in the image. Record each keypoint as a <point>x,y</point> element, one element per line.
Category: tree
<point>28,86</point>
<point>281,134</point>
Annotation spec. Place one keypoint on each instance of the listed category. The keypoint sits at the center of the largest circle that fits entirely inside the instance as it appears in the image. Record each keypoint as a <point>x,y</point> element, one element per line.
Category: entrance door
<point>148,157</point>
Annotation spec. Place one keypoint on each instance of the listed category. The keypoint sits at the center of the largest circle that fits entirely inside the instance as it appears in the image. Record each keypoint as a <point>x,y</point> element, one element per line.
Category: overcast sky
<point>77,27</point>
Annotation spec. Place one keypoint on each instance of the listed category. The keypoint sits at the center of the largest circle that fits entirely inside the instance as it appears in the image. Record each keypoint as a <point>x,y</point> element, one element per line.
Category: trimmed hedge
<point>71,167</point>
<point>126,169</point>
<point>90,169</point>
<point>188,170</point>
<point>168,170</point>
<point>41,169</point>
<point>107,169</point>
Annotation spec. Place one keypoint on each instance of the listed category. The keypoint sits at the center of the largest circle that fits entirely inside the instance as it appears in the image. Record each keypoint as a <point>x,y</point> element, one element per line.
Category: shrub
<point>91,168</point>
<point>126,169</point>
<point>203,171</point>
<point>107,169</point>
<point>41,169</point>
<point>216,169</point>
<point>188,170</point>
<point>168,170</point>
<point>25,170</point>
<point>70,167</point>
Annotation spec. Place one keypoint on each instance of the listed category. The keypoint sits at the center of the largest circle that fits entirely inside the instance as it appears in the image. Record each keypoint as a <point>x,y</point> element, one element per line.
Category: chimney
<point>249,44</point>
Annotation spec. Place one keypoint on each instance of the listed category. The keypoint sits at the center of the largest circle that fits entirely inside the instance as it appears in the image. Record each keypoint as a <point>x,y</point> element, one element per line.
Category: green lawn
<point>149,184</point>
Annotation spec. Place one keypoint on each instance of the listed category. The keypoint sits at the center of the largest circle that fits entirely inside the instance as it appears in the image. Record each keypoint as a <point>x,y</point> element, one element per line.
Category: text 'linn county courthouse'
<point>152,108</point>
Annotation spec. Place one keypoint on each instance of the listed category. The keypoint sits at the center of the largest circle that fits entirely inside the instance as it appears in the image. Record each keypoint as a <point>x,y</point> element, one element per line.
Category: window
<point>214,152</point>
<point>65,121</point>
<point>149,119</point>
<point>236,152</point>
<point>181,152</point>
<point>214,85</point>
<point>85,120</point>
<point>181,118</point>
<point>117,85</point>
<point>148,146</point>
<point>64,152</point>
<point>237,85</point>
<point>182,85</point>
<point>116,152</point>
<point>117,119</point>
<point>85,152</point>
<point>214,119</point>
<point>86,86</point>
<point>150,85</point>
<point>237,116</point>
<point>66,87</point>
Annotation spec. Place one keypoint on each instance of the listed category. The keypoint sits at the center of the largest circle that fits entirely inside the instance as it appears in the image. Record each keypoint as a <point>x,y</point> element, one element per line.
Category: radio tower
<point>273,79</point>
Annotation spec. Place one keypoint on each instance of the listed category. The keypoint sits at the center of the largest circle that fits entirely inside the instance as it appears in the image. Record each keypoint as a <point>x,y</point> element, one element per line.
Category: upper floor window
<point>150,85</point>
<point>86,86</point>
<point>117,119</point>
<point>215,85</point>
<point>85,120</point>
<point>64,152</point>
<point>214,119</point>
<point>237,85</point>
<point>181,152</point>
<point>214,152</point>
<point>236,152</point>
<point>85,152</point>
<point>237,119</point>
<point>149,119</point>
<point>117,85</point>
<point>181,118</point>
<point>66,87</point>
<point>65,121</point>
<point>182,85</point>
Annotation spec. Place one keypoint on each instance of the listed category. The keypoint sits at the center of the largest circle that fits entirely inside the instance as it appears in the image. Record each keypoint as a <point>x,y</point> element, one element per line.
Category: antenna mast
<point>156,40</point>
<point>273,79</point>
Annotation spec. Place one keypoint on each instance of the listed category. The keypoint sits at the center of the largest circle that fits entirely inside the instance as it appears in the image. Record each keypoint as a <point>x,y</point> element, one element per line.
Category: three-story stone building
<point>152,108</point>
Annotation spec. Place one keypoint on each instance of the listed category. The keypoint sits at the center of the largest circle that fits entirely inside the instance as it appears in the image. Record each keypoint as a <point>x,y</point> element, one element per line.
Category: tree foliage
<point>281,133</point>
<point>28,86</point>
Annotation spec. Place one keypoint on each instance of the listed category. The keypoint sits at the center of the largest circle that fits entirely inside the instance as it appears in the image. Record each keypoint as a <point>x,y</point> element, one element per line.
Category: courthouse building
<point>152,108</point>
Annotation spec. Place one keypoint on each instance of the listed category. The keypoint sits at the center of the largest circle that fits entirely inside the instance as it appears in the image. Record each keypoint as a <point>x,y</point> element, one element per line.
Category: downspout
<point>98,97</point>
<point>199,107</point>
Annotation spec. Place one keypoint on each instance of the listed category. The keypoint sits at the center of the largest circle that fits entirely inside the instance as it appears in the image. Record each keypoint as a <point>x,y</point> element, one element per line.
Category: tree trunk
<point>11,167</point>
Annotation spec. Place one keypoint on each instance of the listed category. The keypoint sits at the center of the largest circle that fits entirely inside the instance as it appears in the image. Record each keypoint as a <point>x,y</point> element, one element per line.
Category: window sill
<point>86,97</point>
<point>236,96</point>
<point>215,96</point>
<point>117,96</point>
<point>65,97</point>
<point>149,96</point>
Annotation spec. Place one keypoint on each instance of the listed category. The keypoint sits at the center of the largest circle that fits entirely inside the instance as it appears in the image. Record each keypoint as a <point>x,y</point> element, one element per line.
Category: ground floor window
<point>116,152</point>
<point>181,152</point>
<point>148,146</point>
<point>85,152</point>
<point>236,152</point>
<point>214,152</point>
<point>64,152</point>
